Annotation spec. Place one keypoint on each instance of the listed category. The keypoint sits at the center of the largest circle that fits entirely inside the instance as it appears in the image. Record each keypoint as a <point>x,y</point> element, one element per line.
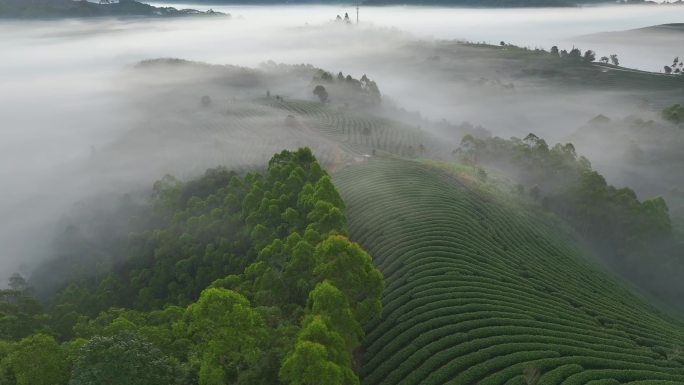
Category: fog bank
<point>526,27</point>
<point>67,94</point>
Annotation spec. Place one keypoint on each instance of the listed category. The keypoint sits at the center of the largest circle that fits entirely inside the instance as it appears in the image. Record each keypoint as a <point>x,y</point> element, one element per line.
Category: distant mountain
<point>448,3</point>
<point>667,28</point>
<point>498,3</point>
<point>262,2</point>
<point>477,3</point>
<point>647,36</point>
<point>30,9</point>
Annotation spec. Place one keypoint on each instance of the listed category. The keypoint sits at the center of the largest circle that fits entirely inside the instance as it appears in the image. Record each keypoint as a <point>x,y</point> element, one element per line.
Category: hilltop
<point>673,27</point>
<point>672,30</point>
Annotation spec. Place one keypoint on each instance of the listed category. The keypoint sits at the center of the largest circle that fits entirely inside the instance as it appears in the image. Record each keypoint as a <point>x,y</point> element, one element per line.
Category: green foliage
<point>350,269</point>
<point>346,89</point>
<point>20,314</point>
<point>316,329</point>
<point>480,288</point>
<point>674,113</point>
<point>330,329</point>
<point>612,218</point>
<point>332,306</point>
<point>327,219</point>
<point>123,359</point>
<point>309,365</point>
<point>227,332</point>
<point>36,360</point>
<point>227,279</point>
<point>325,191</point>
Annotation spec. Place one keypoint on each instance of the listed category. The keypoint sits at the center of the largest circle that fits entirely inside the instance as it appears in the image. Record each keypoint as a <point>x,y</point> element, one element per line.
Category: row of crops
<point>479,291</point>
<point>240,133</point>
<point>360,130</point>
<point>244,132</point>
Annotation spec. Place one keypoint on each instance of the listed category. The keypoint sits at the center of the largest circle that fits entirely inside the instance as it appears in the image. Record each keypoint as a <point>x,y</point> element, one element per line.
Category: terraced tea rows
<point>359,130</point>
<point>479,291</point>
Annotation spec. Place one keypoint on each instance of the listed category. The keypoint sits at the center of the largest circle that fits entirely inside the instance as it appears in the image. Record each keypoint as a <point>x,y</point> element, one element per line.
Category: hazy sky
<point>542,27</point>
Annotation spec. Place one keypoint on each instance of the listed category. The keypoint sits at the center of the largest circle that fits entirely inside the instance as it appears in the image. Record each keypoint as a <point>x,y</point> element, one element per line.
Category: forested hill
<point>243,279</point>
<point>28,9</point>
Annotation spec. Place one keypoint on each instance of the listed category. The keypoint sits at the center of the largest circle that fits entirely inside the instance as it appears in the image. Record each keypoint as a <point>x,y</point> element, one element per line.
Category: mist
<point>526,27</point>
<point>79,119</point>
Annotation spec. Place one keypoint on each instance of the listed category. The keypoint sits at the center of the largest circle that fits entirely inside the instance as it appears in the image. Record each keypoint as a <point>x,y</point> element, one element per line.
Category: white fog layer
<point>67,93</point>
<point>526,27</point>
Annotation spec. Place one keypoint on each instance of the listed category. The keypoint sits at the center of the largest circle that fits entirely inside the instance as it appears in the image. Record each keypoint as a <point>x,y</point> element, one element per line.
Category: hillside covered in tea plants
<point>439,261</point>
<point>484,288</point>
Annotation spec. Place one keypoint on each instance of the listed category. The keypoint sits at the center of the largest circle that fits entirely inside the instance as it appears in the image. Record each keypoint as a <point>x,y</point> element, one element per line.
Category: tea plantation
<point>481,289</point>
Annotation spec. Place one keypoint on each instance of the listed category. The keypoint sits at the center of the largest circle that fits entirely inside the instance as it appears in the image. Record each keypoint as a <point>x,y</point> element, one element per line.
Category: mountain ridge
<point>37,9</point>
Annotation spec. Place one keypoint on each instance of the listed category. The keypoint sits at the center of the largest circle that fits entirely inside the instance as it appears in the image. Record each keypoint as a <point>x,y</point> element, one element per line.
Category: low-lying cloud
<point>69,96</point>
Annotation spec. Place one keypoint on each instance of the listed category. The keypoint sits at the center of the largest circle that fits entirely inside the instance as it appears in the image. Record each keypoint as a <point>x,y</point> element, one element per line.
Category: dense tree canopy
<point>123,358</point>
<point>242,279</point>
<point>36,360</point>
<point>228,332</point>
<point>567,184</point>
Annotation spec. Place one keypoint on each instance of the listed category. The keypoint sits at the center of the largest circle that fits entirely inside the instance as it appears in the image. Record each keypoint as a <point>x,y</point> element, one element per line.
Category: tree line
<point>635,235</point>
<point>588,56</point>
<point>365,88</point>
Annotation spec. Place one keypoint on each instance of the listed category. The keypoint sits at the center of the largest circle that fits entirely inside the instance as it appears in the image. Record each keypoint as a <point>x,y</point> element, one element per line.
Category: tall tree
<point>229,332</point>
<point>351,270</point>
<point>309,365</point>
<point>38,360</point>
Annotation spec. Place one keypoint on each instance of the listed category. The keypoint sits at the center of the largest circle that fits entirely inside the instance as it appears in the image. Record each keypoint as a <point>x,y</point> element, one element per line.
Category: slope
<point>480,290</point>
